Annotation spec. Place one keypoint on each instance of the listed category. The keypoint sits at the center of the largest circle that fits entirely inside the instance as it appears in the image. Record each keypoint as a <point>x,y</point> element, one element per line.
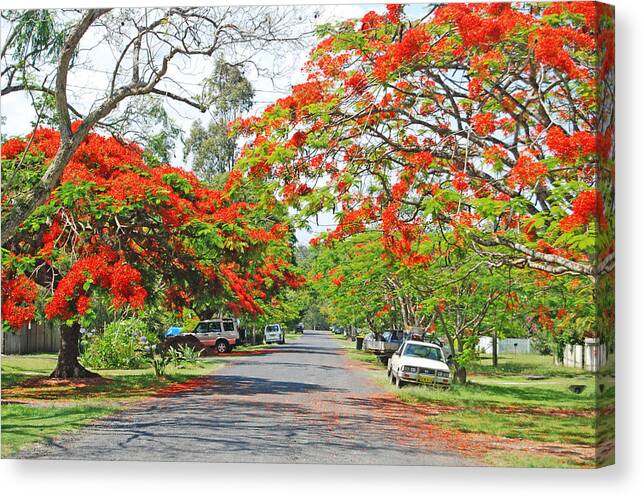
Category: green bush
<point>544,343</point>
<point>120,345</point>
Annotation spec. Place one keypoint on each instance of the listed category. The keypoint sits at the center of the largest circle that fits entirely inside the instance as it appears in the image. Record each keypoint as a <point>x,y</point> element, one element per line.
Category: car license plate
<point>426,379</point>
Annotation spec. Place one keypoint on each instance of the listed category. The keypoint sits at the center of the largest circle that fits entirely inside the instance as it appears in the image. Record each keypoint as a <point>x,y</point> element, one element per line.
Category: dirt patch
<point>251,352</point>
<point>48,382</point>
<point>182,387</point>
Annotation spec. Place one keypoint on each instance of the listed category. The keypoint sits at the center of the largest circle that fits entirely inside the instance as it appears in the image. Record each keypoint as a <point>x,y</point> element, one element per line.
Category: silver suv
<point>222,334</point>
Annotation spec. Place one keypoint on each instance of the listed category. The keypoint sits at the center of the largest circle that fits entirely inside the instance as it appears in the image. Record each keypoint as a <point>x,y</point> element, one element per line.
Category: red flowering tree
<point>493,122</point>
<point>118,228</point>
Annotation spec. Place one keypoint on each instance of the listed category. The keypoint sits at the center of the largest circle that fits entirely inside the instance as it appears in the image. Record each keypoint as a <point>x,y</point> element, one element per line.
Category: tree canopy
<point>489,120</point>
<point>119,227</point>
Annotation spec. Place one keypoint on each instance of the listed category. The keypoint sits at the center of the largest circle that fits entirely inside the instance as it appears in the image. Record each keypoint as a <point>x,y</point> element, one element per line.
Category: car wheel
<point>222,347</point>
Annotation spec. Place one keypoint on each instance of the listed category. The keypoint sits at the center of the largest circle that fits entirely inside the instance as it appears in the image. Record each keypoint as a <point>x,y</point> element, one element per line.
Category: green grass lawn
<point>568,429</point>
<point>16,368</point>
<point>522,364</point>
<point>508,402</point>
<point>31,414</point>
<point>24,424</point>
<point>529,460</point>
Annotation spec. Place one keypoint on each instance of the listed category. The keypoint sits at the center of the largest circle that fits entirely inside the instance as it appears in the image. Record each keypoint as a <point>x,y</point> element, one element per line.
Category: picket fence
<point>509,345</point>
<point>31,338</point>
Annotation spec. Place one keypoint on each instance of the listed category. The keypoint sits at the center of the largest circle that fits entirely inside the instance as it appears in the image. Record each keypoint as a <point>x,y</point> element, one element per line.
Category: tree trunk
<point>495,348</point>
<point>460,375</point>
<point>460,371</point>
<point>68,366</point>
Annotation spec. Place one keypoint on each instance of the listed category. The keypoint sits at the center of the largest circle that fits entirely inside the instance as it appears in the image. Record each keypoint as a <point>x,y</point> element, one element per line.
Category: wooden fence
<point>33,338</point>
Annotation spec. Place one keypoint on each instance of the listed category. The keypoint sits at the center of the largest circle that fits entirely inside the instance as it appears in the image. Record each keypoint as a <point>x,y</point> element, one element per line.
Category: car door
<point>216,331</point>
<point>229,330</point>
<point>202,332</point>
<point>395,358</point>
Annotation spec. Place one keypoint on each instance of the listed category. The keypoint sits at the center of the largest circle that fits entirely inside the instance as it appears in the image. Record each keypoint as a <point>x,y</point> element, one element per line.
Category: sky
<point>87,84</point>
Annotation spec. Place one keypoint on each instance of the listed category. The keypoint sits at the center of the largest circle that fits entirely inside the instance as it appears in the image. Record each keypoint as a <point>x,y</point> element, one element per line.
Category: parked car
<point>336,329</point>
<point>299,328</point>
<point>274,333</point>
<point>419,363</point>
<point>384,344</point>
<point>222,334</point>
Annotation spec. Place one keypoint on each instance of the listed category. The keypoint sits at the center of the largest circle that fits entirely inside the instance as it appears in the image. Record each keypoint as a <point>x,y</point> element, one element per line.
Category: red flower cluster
<point>12,148</point>
<point>102,270</point>
<point>481,25</point>
<point>570,148</point>
<point>18,297</point>
<point>526,172</point>
<point>394,12</point>
<point>552,47</point>
<point>384,310</point>
<point>588,205</point>
<point>357,82</point>
<point>298,139</point>
<point>483,124</point>
<point>460,182</point>
<point>403,52</point>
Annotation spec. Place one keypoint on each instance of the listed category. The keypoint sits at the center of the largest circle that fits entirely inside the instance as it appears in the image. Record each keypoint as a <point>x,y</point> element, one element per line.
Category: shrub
<point>118,346</point>
<point>159,359</point>
<point>543,343</point>
<point>186,355</point>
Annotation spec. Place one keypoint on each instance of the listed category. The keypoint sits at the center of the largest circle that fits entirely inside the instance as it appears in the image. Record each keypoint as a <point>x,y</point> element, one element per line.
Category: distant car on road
<point>383,344</point>
<point>222,334</point>
<point>299,328</point>
<point>274,333</point>
<point>419,363</point>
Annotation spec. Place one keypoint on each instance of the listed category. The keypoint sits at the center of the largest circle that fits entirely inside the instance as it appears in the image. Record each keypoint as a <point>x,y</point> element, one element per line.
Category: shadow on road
<point>245,385</point>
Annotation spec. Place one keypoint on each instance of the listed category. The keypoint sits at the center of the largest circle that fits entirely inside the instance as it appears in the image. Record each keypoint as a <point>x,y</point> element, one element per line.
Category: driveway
<point>304,402</point>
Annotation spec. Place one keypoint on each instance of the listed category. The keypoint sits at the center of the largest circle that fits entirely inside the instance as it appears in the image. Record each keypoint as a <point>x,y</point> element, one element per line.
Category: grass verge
<point>32,413</point>
<point>25,424</point>
<point>514,402</point>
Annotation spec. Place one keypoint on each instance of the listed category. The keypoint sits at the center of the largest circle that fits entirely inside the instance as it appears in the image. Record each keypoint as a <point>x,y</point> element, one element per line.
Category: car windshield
<point>419,351</point>
<point>272,328</point>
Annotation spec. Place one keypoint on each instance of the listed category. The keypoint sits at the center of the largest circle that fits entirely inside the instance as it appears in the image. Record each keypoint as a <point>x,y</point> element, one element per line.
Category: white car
<point>274,333</point>
<point>419,363</point>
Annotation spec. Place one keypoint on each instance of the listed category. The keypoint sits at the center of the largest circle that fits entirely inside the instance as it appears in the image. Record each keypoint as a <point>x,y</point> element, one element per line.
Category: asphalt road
<point>304,403</point>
